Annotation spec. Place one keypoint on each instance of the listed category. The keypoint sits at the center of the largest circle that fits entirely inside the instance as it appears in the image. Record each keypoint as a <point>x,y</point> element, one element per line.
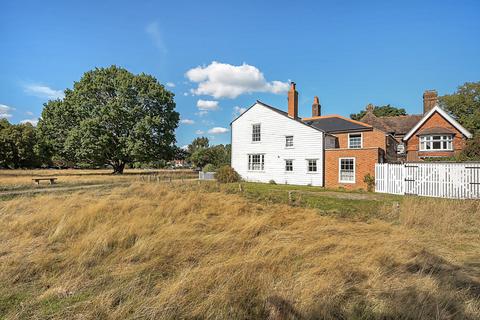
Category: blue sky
<point>220,56</point>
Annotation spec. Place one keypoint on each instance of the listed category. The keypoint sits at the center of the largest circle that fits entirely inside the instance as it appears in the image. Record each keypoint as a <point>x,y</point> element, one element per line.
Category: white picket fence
<point>443,180</point>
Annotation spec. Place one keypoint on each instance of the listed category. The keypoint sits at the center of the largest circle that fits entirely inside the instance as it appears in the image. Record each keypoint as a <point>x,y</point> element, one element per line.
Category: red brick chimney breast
<point>292,101</point>
<point>316,107</point>
<point>430,100</point>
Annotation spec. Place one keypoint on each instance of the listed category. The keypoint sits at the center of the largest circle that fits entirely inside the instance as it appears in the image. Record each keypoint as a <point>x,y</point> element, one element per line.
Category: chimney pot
<point>430,100</point>
<point>316,107</point>
<point>292,101</point>
<point>370,107</point>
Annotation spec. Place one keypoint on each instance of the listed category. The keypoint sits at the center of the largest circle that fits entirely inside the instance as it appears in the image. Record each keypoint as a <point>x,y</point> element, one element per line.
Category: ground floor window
<point>436,142</point>
<point>256,162</point>
<point>312,165</point>
<point>346,170</point>
<point>288,165</point>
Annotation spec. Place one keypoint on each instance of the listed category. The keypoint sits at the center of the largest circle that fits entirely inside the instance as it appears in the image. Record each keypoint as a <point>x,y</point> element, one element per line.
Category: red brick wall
<point>365,160</point>
<point>436,120</point>
<point>370,139</point>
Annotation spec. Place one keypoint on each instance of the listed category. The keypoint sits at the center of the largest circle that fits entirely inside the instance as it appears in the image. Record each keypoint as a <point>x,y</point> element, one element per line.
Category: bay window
<point>436,143</point>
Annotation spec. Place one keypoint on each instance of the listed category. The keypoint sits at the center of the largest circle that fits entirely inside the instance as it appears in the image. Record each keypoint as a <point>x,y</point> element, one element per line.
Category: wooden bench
<point>37,180</point>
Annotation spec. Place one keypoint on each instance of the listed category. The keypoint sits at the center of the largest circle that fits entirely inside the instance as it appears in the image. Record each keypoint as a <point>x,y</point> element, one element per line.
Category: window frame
<point>340,170</point>
<point>286,142</point>
<point>361,140</point>
<point>423,140</point>
<point>254,125</point>
<point>250,163</point>
<point>286,165</point>
<point>308,166</point>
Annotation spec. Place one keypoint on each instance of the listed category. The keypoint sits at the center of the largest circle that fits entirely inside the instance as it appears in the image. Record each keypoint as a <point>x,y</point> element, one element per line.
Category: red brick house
<point>434,133</point>
<point>354,149</point>
<point>359,145</point>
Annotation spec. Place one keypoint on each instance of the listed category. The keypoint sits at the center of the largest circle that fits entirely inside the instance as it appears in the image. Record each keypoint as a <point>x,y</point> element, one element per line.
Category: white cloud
<point>42,91</point>
<point>207,105</point>
<point>170,84</point>
<point>238,111</point>
<point>29,113</point>
<point>187,121</point>
<point>153,30</point>
<point>199,132</point>
<point>184,147</point>
<point>5,111</point>
<point>185,94</point>
<point>217,130</point>
<point>33,122</point>
<point>222,80</point>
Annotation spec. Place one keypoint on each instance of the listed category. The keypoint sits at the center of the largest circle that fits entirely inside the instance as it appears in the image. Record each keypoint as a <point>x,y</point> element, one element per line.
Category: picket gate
<point>442,180</point>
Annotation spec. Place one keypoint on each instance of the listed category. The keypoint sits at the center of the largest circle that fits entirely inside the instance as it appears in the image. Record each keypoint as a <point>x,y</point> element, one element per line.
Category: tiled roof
<point>435,130</point>
<point>336,123</point>
<point>398,125</point>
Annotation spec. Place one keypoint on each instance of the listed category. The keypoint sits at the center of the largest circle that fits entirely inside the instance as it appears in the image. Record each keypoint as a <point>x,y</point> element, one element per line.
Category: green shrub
<point>370,181</point>
<point>272,182</point>
<point>209,168</point>
<point>227,174</point>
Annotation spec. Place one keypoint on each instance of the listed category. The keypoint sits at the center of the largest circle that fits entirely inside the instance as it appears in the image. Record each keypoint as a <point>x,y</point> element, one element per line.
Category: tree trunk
<point>118,168</point>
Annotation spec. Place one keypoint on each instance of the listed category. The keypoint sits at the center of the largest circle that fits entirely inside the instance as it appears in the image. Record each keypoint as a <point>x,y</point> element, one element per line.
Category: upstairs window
<point>288,141</point>
<point>355,141</point>
<point>256,135</point>
<point>436,143</point>
<point>256,162</point>
<point>346,172</point>
<point>288,165</point>
<point>312,165</point>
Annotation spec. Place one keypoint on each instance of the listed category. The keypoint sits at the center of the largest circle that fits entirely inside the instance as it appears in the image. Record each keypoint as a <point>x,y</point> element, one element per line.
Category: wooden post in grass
<point>290,198</point>
<point>240,187</point>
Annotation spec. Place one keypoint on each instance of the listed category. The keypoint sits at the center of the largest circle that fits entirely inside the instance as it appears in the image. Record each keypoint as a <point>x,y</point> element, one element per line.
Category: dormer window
<point>355,141</point>
<point>256,134</point>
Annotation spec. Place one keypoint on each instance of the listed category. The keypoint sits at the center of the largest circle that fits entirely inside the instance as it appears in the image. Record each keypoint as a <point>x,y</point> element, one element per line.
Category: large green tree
<point>464,105</point>
<point>197,144</point>
<point>217,156</point>
<point>111,117</point>
<point>17,145</point>
<point>381,111</point>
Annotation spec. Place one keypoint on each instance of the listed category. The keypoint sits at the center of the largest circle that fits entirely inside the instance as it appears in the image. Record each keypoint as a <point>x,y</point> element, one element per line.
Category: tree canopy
<point>111,117</point>
<point>17,145</point>
<point>464,105</point>
<point>381,111</point>
<point>202,154</point>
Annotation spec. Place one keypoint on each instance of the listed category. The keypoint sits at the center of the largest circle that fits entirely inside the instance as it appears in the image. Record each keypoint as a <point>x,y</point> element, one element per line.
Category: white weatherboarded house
<point>270,144</point>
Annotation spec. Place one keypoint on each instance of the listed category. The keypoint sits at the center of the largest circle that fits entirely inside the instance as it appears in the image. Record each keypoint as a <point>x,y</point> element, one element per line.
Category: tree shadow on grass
<point>455,287</point>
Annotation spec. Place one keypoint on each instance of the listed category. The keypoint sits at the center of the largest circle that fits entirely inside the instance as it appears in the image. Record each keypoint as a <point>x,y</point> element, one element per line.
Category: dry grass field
<point>22,179</point>
<point>190,251</point>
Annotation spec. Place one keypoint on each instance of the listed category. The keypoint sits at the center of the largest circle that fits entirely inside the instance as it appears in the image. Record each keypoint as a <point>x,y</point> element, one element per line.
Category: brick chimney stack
<point>316,107</point>
<point>430,100</point>
<point>292,101</point>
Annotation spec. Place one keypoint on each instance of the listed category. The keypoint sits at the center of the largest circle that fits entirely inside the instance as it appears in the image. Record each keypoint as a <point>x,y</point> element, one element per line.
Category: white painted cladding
<point>307,144</point>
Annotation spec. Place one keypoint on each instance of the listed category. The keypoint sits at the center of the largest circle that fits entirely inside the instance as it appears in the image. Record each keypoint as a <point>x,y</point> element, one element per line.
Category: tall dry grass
<point>157,252</point>
<point>22,179</point>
